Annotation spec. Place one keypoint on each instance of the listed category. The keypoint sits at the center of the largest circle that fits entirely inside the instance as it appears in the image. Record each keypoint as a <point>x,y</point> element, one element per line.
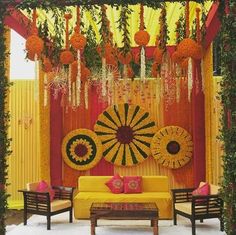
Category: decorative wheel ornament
<point>172,147</point>
<point>81,149</point>
<point>126,132</point>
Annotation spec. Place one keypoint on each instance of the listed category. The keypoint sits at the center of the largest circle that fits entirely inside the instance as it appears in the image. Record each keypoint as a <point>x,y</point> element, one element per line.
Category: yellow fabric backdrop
<point>212,119</point>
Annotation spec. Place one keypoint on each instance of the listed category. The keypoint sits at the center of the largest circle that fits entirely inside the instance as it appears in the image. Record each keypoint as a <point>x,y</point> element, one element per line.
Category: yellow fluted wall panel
<point>24,162</point>
<point>212,121</point>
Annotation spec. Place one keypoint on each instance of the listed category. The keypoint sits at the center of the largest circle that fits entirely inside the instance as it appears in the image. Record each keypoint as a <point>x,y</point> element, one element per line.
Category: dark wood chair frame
<point>39,203</point>
<point>203,207</point>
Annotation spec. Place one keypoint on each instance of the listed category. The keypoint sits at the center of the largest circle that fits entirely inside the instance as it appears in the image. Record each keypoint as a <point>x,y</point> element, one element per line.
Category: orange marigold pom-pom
<point>34,45</point>
<point>184,63</point>
<point>125,59</point>
<point>176,57</point>
<point>78,41</point>
<point>85,73</point>
<point>157,55</point>
<point>142,37</point>
<point>108,49</point>
<point>66,57</point>
<point>47,65</point>
<point>189,48</point>
<point>111,60</point>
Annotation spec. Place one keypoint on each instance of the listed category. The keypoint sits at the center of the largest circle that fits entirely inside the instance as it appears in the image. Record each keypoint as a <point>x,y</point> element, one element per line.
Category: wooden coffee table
<point>120,211</point>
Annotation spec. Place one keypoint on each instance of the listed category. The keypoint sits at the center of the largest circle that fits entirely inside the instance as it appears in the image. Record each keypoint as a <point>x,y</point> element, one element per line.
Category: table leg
<point>93,225</point>
<point>155,226</point>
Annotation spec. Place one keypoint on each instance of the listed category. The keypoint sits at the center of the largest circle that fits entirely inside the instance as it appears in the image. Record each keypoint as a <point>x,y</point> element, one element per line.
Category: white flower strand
<point>86,95</point>
<point>190,78</point>
<point>104,91</point>
<point>45,84</point>
<point>69,86</point>
<point>78,80</point>
<point>143,65</point>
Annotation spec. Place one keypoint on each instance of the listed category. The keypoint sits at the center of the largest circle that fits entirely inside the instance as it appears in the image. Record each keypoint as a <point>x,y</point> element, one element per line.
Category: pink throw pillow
<point>44,187</point>
<point>203,190</point>
<point>132,184</point>
<point>115,184</point>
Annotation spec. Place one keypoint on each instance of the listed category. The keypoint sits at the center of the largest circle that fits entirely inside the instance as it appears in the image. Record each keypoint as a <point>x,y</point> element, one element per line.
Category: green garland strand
<point>228,131</point>
<point>4,120</point>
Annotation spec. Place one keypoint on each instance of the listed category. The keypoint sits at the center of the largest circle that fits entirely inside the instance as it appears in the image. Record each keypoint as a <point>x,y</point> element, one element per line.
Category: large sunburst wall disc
<point>126,132</point>
<point>172,147</point>
<point>81,149</point>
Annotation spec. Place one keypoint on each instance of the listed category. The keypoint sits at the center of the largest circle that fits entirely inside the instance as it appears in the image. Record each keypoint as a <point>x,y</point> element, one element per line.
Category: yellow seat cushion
<point>57,204</point>
<point>84,200</point>
<point>186,207</point>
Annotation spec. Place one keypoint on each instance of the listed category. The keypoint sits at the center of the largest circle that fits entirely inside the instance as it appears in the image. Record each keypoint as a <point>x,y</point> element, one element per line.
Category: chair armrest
<point>207,204</point>
<point>182,195</point>
<point>62,192</point>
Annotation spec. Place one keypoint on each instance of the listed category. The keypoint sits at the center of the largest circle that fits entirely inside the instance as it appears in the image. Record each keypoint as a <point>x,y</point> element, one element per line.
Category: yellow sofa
<point>93,189</point>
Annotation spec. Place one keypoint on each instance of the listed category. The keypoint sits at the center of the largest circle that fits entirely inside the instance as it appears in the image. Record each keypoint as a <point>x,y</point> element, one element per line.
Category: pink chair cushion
<point>132,184</point>
<point>115,184</point>
<point>44,187</point>
<point>203,190</point>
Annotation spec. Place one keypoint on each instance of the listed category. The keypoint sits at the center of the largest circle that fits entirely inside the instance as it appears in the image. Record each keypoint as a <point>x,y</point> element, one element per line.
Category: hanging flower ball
<point>184,63</point>
<point>197,52</point>
<point>47,65</point>
<point>176,57</point>
<point>125,59</point>
<point>78,41</point>
<point>66,57</point>
<point>157,55</point>
<point>142,37</point>
<point>189,48</point>
<point>34,45</point>
<point>108,49</point>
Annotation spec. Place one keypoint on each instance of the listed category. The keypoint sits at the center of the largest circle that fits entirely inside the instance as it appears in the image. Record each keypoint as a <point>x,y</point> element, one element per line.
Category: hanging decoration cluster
<point>71,79</point>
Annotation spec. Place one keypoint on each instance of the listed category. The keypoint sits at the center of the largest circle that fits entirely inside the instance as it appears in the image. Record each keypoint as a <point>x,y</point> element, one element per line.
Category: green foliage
<point>228,131</point>
<point>4,123</point>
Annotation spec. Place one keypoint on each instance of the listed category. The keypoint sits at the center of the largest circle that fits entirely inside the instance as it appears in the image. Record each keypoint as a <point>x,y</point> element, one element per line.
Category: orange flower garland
<point>66,57</point>
<point>157,55</point>
<point>125,59</point>
<point>47,65</point>
<point>34,44</point>
<point>142,37</point>
<point>176,57</point>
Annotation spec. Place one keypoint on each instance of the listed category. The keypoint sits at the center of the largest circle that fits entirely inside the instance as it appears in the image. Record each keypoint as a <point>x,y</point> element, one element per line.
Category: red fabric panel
<point>55,141</point>
<point>198,116</point>
<point>212,25</point>
<point>103,167</point>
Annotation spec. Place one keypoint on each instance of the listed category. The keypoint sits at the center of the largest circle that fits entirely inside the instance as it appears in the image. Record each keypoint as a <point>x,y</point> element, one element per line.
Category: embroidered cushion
<point>132,184</point>
<point>115,184</point>
<point>44,187</point>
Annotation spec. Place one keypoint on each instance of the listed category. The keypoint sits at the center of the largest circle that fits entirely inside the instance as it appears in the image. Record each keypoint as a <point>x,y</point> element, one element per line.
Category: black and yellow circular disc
<point>126,132</point>
<point>81,149</point>
<point>172,147</point>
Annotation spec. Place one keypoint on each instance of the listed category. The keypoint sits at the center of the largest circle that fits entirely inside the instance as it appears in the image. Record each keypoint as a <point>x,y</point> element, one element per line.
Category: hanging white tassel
<point>86,95</point>
<point>69,86</point>
<point>73,95</point>
<point>36,76</point>
<point>104,91</point>
<point>203,76</point>
<point>45,91</point>
<point>143,65</point>
<point>190,78</point>
<point>78,80</point>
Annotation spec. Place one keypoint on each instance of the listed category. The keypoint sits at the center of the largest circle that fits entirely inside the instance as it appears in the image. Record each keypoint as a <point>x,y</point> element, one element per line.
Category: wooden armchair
<point>39,202</point>
<point>196,207</point>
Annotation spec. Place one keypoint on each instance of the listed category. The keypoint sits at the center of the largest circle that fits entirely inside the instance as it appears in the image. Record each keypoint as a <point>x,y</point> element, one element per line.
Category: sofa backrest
<point>214,189</point>
<point>97,183</point>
